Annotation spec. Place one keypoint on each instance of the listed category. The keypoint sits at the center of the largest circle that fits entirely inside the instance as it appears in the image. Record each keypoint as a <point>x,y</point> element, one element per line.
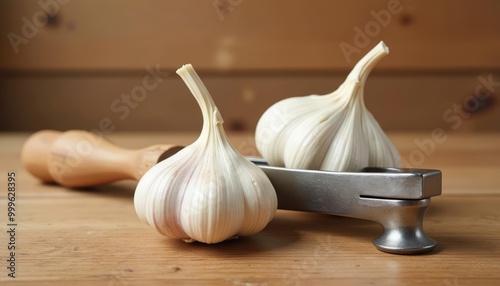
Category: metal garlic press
<point>396,198</point>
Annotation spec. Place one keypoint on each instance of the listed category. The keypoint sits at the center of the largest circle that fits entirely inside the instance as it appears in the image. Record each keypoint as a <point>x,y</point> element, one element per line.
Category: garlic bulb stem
<point>203,97</point>
<point>363,68</point>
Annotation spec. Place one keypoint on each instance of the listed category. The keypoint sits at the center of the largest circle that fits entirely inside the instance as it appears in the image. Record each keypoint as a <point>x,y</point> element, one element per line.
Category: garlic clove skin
<point>327,132</point>
<point>206,192</point>
<point>382,152</point>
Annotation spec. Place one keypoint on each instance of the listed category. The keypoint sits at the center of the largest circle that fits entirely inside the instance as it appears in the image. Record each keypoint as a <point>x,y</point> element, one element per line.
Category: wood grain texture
<point>91,53</point>
<point>253,35</point>
<point>399,102</point>
<point>93,236</point>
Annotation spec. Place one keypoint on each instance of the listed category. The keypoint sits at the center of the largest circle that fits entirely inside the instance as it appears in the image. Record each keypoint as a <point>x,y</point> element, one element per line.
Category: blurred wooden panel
<point>399,102</point>
<point>250,35</point>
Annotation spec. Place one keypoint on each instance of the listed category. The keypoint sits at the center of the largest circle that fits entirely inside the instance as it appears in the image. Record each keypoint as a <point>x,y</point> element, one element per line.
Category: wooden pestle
<point>78,158</point>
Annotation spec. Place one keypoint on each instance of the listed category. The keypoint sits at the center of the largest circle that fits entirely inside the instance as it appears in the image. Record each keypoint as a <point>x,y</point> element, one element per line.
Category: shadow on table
<point>273,237</point>
<point>328,225</point>
<point>123,190</point>
<point>289,228</point>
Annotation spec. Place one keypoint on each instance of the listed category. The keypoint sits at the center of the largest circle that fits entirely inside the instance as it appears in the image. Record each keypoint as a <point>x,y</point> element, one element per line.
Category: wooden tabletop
<point>93,236</point>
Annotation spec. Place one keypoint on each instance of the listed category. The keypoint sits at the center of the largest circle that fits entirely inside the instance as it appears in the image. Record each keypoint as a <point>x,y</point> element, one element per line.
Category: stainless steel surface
<point>395,198</point>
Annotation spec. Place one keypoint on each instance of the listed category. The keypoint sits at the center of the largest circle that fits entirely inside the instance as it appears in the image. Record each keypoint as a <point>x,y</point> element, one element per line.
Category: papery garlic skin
<point>327,132</point>
<point>206,192</point>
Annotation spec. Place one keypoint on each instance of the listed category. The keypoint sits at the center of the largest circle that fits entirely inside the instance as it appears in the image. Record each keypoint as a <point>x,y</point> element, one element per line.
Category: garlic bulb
<point>206,192</point>
<point>330,132</point>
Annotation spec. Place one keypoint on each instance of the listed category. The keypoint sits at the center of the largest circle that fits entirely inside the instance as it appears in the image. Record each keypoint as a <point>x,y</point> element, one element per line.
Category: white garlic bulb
<point>330,132</point>
<point>206,192</point>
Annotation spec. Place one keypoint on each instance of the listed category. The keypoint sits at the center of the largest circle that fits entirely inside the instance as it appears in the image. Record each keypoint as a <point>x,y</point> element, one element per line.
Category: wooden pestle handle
<point>78,158</point>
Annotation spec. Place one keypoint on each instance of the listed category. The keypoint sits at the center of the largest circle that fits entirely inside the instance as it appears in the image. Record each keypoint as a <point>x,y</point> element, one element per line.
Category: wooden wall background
<point>76,59</point>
